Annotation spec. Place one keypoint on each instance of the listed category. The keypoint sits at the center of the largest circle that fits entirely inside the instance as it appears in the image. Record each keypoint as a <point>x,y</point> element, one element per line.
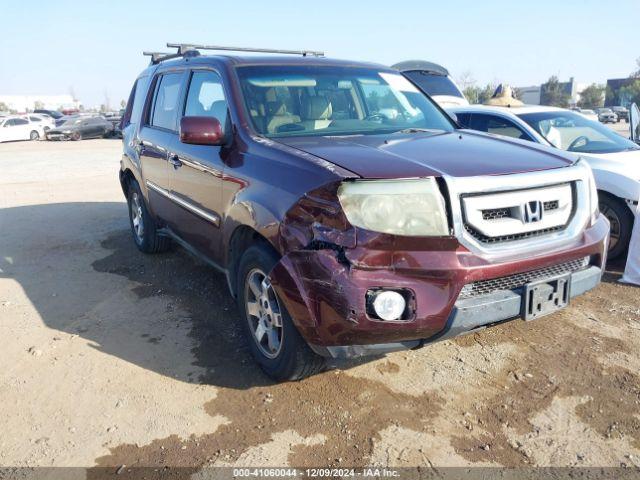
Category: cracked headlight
<point>399,207</point>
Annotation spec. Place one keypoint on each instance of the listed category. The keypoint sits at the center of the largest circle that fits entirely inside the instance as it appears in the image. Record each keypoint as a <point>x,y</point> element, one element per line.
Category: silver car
<point>607,115</point>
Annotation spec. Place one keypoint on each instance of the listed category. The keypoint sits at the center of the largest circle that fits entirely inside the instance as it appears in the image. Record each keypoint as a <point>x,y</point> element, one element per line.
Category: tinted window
<point>20,121</point>
<point>498,126</point>
<point>165,106</point>
<point>206,97</point>
<point>34,119</point>
<point>434,84</point>
<point>9,123</point>
<point>464,119</point>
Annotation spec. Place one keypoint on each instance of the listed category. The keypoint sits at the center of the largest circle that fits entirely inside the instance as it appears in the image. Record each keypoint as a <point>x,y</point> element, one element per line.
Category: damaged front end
<point>333,271</point>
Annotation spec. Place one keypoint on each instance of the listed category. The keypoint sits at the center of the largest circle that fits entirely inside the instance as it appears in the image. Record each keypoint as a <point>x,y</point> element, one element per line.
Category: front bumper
<point>326,296</point>
<point>56,136</point>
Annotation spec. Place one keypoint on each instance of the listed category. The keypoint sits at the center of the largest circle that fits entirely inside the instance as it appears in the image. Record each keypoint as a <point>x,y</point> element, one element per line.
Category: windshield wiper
<point>418,130</point>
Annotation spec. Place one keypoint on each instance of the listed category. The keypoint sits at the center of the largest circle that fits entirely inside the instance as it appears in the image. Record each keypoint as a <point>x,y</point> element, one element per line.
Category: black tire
<point>34,135</point>
<point>146,238</point>
<point>75,136</point>
<point>621,219</point>
<point>294,360</point>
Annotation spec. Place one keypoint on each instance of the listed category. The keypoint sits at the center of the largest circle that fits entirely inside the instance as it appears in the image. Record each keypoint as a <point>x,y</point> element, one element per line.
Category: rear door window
<point>498,126</point>
<point>464,119</point>
<point>165,105</point>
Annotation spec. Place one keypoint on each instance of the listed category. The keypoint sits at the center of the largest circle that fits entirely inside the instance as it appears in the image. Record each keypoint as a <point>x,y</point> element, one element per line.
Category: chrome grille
<point>519,280</point>
<point>495,213</point>
<point>513,236</point>
<point>504,216</point>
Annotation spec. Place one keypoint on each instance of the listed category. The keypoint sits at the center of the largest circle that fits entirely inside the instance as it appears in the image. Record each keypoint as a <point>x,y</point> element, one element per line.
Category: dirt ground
<point>110,357</point>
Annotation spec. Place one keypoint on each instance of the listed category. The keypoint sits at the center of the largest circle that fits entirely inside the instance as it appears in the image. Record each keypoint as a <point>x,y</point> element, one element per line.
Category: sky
<point>94,48</point>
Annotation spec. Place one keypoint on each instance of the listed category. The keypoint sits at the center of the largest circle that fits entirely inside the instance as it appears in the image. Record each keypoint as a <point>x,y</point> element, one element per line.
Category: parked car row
<point>46,125</point>
<point>350,214</point>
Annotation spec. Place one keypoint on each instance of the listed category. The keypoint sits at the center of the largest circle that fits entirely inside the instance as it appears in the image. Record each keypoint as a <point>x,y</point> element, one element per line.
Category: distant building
<point>529,95</point>
<point>23,103</point>
<point>535,95</point>
<point>612,96</point>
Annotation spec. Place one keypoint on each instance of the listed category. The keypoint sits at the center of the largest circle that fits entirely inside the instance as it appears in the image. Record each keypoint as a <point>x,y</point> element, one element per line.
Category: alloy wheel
<point>136,216</point>
<point>263,313</point>
<point>614,220</point>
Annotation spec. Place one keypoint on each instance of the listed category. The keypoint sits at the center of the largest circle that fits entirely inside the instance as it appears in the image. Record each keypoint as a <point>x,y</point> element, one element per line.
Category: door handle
<point>175,160</point>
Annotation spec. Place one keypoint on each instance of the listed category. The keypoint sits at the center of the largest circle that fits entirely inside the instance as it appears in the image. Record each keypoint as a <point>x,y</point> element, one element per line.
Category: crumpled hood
<point>459,154</point>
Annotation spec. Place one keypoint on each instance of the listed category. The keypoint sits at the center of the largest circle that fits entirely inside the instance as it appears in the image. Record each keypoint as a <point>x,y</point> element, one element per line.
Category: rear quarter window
<point>135,105</point>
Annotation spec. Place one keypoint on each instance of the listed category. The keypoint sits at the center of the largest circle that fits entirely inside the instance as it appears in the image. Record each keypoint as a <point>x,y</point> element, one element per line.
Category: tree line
<point>554,93</point>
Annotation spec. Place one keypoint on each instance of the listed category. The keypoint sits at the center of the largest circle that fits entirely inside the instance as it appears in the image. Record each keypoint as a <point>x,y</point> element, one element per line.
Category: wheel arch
<point>242,237</point>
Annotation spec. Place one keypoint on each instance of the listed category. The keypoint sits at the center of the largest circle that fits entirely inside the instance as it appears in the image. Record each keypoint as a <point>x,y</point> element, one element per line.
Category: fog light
<point>389,305</point>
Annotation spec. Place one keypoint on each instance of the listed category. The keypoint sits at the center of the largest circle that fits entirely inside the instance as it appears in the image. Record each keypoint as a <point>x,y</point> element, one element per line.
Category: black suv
<point>622,112</point>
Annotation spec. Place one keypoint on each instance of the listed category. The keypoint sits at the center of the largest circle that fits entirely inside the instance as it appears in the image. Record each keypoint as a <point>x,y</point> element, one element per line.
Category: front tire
<point>621,221</point>
<point>143,226</point>
<point>34,135</point>
<point>273,339</point>
<point>75,136</point>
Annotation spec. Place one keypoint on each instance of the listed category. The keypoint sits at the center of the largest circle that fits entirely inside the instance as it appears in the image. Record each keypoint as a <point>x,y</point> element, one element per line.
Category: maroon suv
<point>350,215</point>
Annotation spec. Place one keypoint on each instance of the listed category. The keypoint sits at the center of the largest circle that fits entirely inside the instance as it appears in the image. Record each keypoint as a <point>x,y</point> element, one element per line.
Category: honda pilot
<point>350,215</point>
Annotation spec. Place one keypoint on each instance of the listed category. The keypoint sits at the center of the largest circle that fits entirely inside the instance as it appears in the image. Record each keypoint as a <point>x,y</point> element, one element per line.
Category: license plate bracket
<point>543,297</point>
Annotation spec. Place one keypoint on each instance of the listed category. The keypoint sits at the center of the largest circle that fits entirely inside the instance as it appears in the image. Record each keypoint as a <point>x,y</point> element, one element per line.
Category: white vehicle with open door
<point>615,160</point>
<point>434,80</point>
<point>18,127</point>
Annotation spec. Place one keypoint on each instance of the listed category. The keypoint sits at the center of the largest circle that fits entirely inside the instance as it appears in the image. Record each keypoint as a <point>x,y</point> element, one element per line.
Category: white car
<point>19,127</point>
<point>615,160</point>
<point>588,114</point>
<point>434,80</point>
<point>44,120</point>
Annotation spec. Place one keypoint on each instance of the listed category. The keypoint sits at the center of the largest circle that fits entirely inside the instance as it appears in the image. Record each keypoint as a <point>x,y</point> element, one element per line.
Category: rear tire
<point>272,337</point>
<point>143,227</point>
<point>621,221</point>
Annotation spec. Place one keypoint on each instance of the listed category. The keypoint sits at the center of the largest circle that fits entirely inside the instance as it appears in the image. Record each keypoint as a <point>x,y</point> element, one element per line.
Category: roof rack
<point>185,47</point>
<point>157,57</point>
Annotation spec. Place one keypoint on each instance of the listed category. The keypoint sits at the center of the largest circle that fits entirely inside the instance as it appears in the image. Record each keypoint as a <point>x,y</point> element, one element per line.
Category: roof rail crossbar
<point>157,57</point>
<point>185,47</point>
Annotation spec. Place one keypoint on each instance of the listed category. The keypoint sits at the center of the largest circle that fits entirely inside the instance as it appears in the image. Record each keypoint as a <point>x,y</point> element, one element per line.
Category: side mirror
<point>201,131</point>
<point>634,123</point>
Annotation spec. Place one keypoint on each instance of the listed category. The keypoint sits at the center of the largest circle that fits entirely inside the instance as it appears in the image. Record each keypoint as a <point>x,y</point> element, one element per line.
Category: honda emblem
<point>532,211</point>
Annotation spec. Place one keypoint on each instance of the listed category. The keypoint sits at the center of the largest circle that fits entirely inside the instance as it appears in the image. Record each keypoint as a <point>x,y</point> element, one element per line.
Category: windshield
<point>434,84</point>
<point>575,133</point>
<point>301,101</point>
<point>71,121</point>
